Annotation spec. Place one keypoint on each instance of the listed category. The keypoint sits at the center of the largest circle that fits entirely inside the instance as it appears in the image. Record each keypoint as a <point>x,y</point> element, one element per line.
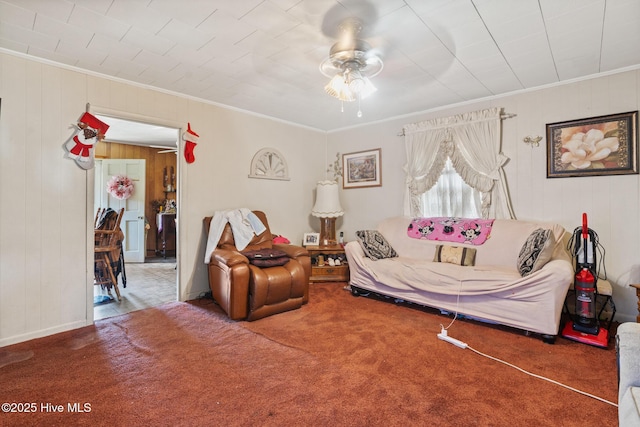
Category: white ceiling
<point>263,55</point>
<point>138,133</point>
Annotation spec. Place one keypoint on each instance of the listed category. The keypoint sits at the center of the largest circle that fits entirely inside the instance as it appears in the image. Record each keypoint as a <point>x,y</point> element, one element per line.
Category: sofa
<point>492,289</point>
<point>628,355</point>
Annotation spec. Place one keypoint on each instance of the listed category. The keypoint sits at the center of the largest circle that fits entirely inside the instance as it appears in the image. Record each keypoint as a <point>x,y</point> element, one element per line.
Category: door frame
<point>90,183</point>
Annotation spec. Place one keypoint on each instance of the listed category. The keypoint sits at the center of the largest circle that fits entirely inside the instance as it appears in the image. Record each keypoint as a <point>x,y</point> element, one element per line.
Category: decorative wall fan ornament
<point>351,64</point>
<point>269,163</point>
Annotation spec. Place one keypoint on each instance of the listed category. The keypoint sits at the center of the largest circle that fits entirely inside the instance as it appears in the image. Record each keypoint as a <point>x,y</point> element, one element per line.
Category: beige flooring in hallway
<point>149,284</point>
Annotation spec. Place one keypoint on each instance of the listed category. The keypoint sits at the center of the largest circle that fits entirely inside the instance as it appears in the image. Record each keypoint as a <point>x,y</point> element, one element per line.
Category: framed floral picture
<point>604,145</point>
<point>361,169</point>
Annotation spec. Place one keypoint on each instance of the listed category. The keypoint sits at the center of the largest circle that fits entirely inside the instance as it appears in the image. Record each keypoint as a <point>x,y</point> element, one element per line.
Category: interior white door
<point>133,219</point>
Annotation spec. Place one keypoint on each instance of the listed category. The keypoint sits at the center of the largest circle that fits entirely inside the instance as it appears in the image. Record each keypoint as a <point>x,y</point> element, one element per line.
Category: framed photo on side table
<point>605,145</point>
<point>361,169</point>
<point>311,239</point>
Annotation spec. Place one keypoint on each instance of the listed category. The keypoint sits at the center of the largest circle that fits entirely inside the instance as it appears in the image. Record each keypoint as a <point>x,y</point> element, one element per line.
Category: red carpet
<point>339,360</point>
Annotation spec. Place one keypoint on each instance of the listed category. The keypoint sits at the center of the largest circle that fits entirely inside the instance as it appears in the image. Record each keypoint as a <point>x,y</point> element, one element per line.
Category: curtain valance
<point>473,143</point>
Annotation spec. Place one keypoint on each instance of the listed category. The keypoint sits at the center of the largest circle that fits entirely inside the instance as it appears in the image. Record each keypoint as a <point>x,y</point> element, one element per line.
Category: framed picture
<point>311,239</point>
<point>361,169</point>
<point>605,145</point>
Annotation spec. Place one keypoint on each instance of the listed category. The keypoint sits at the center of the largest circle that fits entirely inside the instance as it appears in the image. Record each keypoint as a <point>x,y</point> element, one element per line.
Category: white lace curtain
<point>450,196</point>
<point>472,142</point>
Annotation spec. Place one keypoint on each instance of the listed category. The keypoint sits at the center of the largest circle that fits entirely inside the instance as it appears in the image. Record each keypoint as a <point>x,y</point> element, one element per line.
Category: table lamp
<point>327,208</point>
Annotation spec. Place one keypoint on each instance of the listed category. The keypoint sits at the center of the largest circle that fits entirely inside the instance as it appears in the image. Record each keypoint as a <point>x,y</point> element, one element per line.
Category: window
<point>451,196</point>
<point>472,142</point>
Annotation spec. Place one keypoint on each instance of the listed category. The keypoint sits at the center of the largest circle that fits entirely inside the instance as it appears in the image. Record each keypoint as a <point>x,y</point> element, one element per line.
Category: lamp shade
<point>327,201</point>
<point>338,88</point>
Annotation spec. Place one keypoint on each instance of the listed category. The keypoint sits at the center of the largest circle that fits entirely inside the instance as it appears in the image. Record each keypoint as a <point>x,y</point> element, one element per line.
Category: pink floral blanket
<point>473,231</point>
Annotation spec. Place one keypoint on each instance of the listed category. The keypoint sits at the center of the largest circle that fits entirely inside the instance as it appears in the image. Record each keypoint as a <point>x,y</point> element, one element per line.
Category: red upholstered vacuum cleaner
<point>584,326</point>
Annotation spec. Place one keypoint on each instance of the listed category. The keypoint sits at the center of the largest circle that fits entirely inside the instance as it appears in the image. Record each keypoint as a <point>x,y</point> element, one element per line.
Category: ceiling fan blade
<point>340,14</point>
<point>351,23</point>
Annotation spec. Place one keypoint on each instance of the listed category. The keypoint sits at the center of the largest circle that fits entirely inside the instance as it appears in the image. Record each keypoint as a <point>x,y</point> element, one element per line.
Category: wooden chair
<point>107,249</point>
<point>99,214</point>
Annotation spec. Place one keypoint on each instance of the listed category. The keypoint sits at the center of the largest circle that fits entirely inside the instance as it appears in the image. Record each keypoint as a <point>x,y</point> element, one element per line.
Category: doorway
<point>146,153</point>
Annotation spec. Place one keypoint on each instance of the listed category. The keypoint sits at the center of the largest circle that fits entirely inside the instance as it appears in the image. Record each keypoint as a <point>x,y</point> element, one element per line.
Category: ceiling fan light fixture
<point>350,66</point>
<point>339,89</point>
<point>359,84</point>
<point>366,88</point>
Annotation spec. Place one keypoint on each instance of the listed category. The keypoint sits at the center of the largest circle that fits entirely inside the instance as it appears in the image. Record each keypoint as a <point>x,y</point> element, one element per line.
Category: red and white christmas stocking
<point>190,138</point>
<point>80,147</point>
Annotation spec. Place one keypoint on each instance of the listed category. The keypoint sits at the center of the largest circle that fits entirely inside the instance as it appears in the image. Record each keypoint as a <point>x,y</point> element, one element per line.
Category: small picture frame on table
<point>311,239</point>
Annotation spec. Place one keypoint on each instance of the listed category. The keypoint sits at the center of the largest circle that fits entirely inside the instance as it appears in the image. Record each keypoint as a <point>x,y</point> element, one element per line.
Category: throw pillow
<point>536,251</point>
<point>458,255</point>
<point>267,257</point>
<point>374,245</point>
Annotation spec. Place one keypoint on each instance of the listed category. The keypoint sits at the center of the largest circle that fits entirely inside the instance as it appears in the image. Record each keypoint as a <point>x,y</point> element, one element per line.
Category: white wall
<point>46,221</point>
<point>611,203</point>
<point>46,209</point>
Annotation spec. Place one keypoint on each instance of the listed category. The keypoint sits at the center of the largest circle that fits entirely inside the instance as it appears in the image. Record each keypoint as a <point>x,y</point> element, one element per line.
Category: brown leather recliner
<point>245,291</point>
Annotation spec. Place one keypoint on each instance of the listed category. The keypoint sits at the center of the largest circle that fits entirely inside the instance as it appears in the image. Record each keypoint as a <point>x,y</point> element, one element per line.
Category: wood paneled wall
<point>155,164</point>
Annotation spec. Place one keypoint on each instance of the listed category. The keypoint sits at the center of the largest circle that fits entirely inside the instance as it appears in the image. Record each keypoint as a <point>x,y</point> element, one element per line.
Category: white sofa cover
<point>492,290</point>
<point>628,355</point>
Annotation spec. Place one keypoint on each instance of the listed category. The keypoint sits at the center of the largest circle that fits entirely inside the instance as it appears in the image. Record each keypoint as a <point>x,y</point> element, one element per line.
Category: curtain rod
<point>502,117</point>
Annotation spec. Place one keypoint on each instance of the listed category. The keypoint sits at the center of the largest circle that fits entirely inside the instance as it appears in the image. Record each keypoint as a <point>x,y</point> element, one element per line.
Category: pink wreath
<point>120,187</point>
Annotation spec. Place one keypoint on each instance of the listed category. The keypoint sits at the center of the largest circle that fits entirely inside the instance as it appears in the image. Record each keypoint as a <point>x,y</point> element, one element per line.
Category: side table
<point>637,286</point>
<point>321,270</point>
<point>166,237</point>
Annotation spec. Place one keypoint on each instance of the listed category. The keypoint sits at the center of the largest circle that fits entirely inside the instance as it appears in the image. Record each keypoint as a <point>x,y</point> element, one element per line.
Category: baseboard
<point>42,333</point>
<point>195,294</point>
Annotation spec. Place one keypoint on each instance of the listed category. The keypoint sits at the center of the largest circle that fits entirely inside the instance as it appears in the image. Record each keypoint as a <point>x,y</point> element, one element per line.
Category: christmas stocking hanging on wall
<point>191,139</point>
<point>80,146</point>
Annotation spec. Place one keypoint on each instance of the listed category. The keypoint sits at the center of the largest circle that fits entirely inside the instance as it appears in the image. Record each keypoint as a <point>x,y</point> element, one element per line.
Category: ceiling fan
<point>352,62</point>
<point>164,149</point>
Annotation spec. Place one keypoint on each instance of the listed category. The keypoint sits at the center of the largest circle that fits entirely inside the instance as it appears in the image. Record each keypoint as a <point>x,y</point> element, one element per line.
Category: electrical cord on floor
<point>542,378</point>
<point>455,315</point>
<point>443,336</point>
